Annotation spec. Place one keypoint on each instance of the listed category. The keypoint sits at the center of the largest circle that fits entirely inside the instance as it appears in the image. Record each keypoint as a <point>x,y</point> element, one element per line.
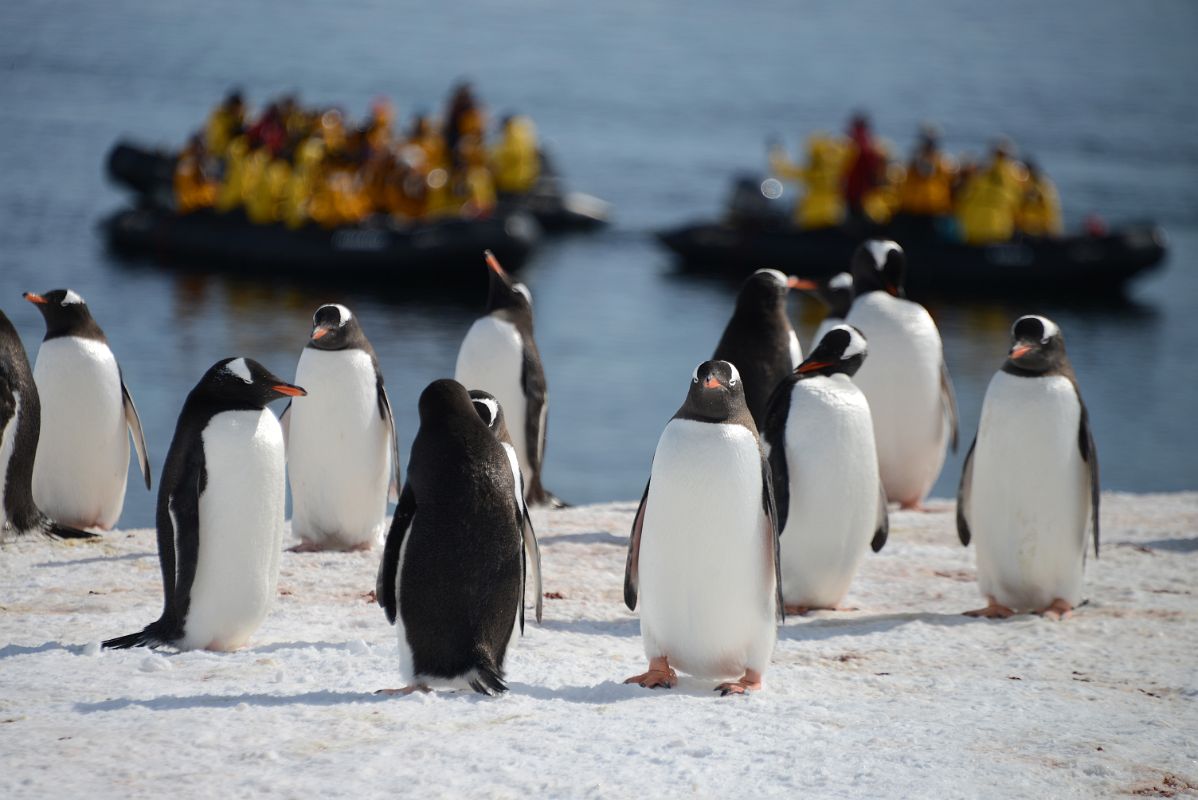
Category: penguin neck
<point>85,328</point>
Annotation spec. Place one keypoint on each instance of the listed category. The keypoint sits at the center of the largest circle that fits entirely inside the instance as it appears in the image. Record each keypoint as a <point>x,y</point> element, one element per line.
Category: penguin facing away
<point>759,339</point>
<point>836,294</point>
<point>499,355</point>
<point>820,442</point>
<point>453,568</point>
<point>88,416</point>
<point>906,381</point>
<point>1029,491</point>
<point>342,454</point>
<point>490,412</point>
<point>20,429</point>
<point>220,512</point>
<point>703,554</point>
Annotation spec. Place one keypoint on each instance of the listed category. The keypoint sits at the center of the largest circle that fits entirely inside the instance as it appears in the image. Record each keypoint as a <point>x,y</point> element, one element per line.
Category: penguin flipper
<point>136,432</point>
<point>178,522</point>
<point>1089,453</point>
<point>533,554</point>
<point>536,408</point>
<point>384,585</point>
<point>774,435</point>
<point>389,420</point>
<point>632,567</point>
<point>963,491</point>
<point>773,535</point>
<point>948,399</point>
<point>882,531</point>
<point>285,424</point>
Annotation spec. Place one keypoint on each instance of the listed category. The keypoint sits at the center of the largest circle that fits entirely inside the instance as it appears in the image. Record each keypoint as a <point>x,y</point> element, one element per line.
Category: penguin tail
<point>56,530</point>
<point>148,636</point>
<point>487,678</point>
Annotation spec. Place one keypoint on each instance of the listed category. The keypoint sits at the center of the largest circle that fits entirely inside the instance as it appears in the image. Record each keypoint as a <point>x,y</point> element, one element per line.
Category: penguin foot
<point>1058,610</point>
<point>405,691</point>
<point>750,682</point>
<point>802,611</point>
<point>796,611</point>
<point>361,547</point>
<point>993,610</point>
<point>660,675</point>
<point>305,547</point>
<point>917,505</point>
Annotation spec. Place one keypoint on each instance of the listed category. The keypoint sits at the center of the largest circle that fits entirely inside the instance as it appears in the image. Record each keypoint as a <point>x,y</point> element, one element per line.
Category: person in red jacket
<point>866,167</point>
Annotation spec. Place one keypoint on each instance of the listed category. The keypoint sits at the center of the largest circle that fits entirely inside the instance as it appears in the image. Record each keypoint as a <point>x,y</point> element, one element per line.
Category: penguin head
<point>765,290</point>
<point>243,383</point>
<point>503,292</point>
<point>490,412</point>
<point>716,393</point>
<point>334,327</point>
<point>1037,345</point>
<point>879,265</point>
<point>836,292</point>
<point>65,313</point>
<point>447,399</point>
<point>841,351</point>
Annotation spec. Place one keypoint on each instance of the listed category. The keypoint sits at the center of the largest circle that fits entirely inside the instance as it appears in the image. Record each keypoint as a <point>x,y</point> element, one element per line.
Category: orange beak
<point>320,332</point>
<point>801,283</point>
<point>711,383</point>
<point>289,390</point>
<point>35,298</point>
<point>1020,351</point>
<point>812,366</point>
<point>493,262</point>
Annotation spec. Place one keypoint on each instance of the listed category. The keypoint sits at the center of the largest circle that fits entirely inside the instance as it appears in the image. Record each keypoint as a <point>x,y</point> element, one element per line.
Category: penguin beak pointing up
<point>37,299</point>
<point>319,332</point>
<point>493,262</point>
<point>289,390</point>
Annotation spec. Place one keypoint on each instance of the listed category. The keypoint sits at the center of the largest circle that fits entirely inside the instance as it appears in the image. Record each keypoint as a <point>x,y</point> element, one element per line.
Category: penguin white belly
<point>492,359</point>
<point>407,672</point>
<point>338,451</point>
<point>901,380</point>
<point>241,530</point>
<point>706,588</point>
<point>82,460</point>
<point>7,443</point>
<point>832,470</point>
<point>1029,498</point>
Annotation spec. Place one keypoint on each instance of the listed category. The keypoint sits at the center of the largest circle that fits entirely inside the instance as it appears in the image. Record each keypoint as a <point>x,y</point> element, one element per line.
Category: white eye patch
<point>522,289</point>
<point>241,369</point>
<point>1048,326</point>
<point>346,316</point>
<point>71,298</point>
<point>773,273</point>
<point>841,280</point>
<point>492,408</point>
<point>880,249</point>
<point>856,345</point>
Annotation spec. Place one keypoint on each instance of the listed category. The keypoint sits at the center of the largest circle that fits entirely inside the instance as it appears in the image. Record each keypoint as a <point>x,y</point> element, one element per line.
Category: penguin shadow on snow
<point>187,702</point>
<point>828,627</point>
<point>595,627</point>
<point>616,691</point>
<point>592,537</point>
<point>94,560</point>
<point>14,650</point>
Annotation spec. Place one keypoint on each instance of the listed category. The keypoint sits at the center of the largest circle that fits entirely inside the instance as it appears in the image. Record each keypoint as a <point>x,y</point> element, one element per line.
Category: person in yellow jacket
<point>193,190</point>
<point>224,124</point>
<point>302,185</point>
<point>266,202</point>
<point>516,159</point>
<point>822,204</point>
<point>986,210</point>
<point>425,137</point>
<point>1039,211</point>
<point>228,196</point>
<point>927,186</point>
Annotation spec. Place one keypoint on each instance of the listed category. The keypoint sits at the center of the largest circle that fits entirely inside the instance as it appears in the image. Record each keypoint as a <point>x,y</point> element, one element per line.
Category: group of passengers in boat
<point>855,180</point>
<point>294,165</point>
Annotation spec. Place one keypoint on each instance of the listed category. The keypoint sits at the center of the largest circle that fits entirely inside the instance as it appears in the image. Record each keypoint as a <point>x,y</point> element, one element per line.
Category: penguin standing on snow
<point>703,554</point>
<point>759,339</point>
<point>491,413</point>
<point>836,293</point>
<point>20,428</point>
<point>905,380</point>
<point>88,416</point>
<point>1029,490</point>
<point>220,512</point>
<point>453,569</point>
<point>499,356</point>
<point>820,441</point>
<point>341,450</point>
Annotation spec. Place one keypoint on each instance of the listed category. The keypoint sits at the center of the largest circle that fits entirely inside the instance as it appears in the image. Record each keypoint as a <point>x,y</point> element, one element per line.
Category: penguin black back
<point>759,339</point>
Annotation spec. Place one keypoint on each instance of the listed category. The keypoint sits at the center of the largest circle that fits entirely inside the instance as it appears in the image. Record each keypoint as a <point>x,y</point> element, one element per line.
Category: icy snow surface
<point>901,698</point>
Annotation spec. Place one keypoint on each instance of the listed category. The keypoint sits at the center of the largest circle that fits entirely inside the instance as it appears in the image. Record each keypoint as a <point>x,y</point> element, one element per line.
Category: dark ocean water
<point>652,106</point>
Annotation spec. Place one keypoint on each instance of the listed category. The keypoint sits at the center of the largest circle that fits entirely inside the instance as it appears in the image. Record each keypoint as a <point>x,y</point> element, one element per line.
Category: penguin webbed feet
<point>993,610</point>
<point>749,682</point>
<point>659,675</point>
<point>1057,610</point>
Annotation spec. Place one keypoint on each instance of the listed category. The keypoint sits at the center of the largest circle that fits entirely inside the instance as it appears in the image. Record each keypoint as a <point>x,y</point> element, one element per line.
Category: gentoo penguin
<point>820,441</point>
<point>88,416</point>
<point>759,339</point>
<point>490,412</point>
<point>220,512</point>
<point>341,450</point>
<point>703,554</point>
<point>1029,489</point>
<point>20,427</point>
<point>836,293</point>
<point>452,575</point>
<point>905,380</point>
<point>499,355</point>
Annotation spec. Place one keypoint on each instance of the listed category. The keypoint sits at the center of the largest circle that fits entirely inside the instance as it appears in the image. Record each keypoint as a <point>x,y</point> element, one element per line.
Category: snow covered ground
<point>902,698</point>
